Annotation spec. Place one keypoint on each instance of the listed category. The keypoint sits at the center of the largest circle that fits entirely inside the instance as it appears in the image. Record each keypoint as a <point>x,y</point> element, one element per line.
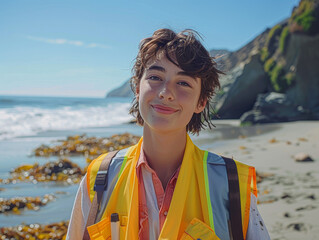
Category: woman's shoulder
<point>219,159</point>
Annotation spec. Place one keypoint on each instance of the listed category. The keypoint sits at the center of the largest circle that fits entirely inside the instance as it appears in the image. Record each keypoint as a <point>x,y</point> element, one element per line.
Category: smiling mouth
<point>163,109</point>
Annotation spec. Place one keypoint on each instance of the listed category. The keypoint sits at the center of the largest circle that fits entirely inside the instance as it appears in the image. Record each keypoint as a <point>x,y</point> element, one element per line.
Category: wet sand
<point>289,196</point>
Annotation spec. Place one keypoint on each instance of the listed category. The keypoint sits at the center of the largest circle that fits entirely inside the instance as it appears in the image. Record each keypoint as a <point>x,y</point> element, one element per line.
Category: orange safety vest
<point>199,206</point>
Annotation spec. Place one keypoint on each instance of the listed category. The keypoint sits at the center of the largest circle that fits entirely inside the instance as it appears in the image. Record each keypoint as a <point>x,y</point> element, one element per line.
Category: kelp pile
<point>87,146</point>
<point>260,176</point>
<point>55,231</point>
<point>14,205</point>
<point>62,170</point>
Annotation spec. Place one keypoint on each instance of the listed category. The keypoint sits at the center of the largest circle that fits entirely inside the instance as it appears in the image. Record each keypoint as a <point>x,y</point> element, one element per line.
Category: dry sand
<point>289,200</point>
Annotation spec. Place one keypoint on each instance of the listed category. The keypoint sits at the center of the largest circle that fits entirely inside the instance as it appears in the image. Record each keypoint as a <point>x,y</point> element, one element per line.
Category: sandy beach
<point>289,196</point>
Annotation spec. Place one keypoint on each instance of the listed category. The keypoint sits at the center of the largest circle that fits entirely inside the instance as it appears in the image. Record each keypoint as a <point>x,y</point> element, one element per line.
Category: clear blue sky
<point>86,48</point>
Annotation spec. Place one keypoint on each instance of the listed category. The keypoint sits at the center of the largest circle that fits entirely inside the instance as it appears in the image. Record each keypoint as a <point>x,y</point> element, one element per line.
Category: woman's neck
<point>164,152</point>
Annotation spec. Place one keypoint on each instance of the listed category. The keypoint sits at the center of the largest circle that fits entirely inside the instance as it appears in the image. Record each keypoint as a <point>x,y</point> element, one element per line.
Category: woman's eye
<point>184,84</point>
<point>154,78</point>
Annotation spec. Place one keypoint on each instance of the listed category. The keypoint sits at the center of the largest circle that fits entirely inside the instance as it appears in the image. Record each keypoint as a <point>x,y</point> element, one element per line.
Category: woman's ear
<point>137,92</point>
<point>201,106</point>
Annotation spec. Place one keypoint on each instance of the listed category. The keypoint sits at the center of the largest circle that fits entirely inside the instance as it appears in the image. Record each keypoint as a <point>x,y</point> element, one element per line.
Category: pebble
<point>297,226</point>
<point>302,157</point>
<point>261,176</point>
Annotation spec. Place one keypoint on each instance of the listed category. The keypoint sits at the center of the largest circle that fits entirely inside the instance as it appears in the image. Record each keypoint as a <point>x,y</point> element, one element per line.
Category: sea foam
<point>28,121</point>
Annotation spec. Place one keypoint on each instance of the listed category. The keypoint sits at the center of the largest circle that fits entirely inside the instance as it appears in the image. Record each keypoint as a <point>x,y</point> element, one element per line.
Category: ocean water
<point>28,116</point>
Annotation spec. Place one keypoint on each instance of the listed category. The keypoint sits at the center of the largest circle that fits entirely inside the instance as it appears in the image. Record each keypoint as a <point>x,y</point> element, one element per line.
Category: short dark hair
<point>185,51</point>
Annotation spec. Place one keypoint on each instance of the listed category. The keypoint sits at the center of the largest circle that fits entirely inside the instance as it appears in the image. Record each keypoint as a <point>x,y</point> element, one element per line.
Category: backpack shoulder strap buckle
<point>100,181</point>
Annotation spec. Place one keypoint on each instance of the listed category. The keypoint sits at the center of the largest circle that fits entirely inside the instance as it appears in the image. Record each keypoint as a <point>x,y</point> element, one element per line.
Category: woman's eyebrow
<point>157,68</point>
<point>161,69</point>
<point>182,73</point>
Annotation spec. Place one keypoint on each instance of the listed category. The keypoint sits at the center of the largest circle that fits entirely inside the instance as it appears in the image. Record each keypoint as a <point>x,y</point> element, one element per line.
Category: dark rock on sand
<point>303,157</point>
<point>297,226</point>
<point>275,107</point>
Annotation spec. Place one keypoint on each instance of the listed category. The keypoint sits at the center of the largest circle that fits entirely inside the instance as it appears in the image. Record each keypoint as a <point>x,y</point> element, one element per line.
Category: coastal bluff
<point>274,77</point>
<point>122,91</point>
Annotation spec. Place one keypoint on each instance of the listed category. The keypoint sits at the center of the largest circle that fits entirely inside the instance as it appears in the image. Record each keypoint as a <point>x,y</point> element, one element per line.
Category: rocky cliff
<point>273,78</point>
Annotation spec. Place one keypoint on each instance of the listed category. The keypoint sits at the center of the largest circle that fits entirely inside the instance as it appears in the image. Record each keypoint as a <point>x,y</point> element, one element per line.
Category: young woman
<point>165,187</point>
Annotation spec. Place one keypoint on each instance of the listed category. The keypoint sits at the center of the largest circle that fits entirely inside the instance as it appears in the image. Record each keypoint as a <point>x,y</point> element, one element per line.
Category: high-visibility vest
<point>199,206</point>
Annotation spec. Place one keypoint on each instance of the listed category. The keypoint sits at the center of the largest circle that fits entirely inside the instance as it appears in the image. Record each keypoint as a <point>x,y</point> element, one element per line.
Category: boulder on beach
<point>275,107</point>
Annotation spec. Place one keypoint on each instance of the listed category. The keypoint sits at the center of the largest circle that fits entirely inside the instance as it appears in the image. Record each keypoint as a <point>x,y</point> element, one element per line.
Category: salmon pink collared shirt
<point>163,197</point>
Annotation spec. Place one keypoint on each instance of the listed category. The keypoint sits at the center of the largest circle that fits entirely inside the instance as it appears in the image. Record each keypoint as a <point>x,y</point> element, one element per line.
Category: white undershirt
<point>152,207</point>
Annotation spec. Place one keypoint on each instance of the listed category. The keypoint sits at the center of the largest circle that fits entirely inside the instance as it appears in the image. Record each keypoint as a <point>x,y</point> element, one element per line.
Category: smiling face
<point>184,49</point>
<point>168,97</point>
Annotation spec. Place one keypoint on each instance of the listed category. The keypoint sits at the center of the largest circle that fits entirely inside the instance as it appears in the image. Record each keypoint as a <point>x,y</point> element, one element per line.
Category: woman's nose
<point>166,92</point>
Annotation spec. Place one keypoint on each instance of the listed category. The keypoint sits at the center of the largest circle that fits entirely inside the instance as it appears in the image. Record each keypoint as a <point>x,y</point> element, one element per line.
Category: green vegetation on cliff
<point>280,80</point>
<point>305,18</point>
<point>276,78</point>
<point>272,34</point>
<point>283,39</point>
<point>269,65</point>
<point>290,78</point>
<point>264,54</point>
<point>270,46</point>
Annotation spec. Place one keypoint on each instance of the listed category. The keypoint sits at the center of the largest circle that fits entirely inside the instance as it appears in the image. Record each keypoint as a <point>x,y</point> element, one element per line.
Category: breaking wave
<point>27,121</point>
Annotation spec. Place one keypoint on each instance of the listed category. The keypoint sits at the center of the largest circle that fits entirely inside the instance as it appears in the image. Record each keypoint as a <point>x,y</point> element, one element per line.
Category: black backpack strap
<point>100,186</point>
<point>234,200</point>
